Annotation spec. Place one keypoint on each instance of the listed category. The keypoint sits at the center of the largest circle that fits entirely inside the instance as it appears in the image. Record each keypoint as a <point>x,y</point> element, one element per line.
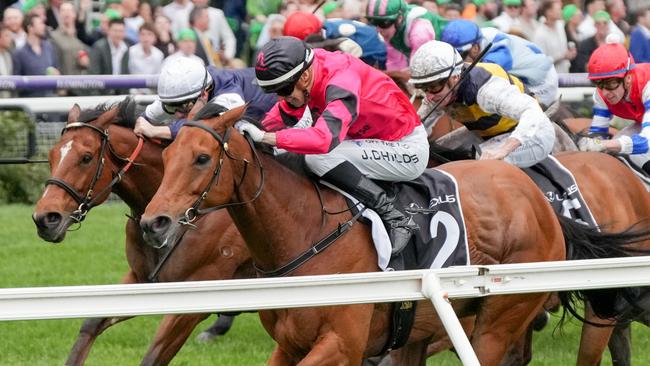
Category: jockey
<point>516,55</point>
<point>487,101</point>
<point>365,127</point>
<point>623,90</point>
<point>182,81</point>
<point>349,36</point>
<point>406,27</point>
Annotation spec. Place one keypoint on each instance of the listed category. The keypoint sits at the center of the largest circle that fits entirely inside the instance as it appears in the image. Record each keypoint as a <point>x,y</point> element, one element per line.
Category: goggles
<point>381,23</point>
<point>182,107</point>
<point>608,84</point>
<point>434,87</point>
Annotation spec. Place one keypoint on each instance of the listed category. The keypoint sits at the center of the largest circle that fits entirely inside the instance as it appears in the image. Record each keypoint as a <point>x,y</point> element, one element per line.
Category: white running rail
<point>273,293</point>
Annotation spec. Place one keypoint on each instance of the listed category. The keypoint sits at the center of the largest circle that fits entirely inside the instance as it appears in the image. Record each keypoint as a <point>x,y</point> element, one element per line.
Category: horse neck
<point>141,181</point>
<point>284,220</point>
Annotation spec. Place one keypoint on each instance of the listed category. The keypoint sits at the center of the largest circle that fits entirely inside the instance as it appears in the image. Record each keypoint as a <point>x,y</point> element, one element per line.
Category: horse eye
<point>202,159</point>
<point>87,158</point>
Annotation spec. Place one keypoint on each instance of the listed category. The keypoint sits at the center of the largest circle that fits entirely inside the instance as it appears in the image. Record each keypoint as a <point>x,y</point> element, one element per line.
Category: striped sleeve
<point>602,116</point>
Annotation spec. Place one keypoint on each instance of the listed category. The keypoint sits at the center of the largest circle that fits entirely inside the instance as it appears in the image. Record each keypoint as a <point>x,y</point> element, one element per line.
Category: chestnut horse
<point>280,213</point>
<point>214,250</point>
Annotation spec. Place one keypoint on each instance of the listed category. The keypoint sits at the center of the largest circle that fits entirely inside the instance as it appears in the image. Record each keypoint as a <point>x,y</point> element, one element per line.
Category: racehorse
<point>281,212</point>
<point>213,250</point>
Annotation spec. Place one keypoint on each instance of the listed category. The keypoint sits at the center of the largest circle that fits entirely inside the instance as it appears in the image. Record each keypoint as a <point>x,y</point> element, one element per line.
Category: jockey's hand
<point>494,154</point>
<point>142,127</point>
<point>246,127</point>
<point>591,144</point>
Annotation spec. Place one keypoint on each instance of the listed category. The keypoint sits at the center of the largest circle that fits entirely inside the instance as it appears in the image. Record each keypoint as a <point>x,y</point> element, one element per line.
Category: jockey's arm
<point>498,96</point>
<point>420,33</point>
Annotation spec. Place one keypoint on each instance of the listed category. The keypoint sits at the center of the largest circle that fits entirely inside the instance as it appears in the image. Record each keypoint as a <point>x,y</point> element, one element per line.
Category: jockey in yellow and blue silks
<point>487,101</point>
<point>516,55</point>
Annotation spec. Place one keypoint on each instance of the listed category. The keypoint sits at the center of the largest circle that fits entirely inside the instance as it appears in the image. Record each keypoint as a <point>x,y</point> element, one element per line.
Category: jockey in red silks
<point>365,127</point>
<point>623,90</point>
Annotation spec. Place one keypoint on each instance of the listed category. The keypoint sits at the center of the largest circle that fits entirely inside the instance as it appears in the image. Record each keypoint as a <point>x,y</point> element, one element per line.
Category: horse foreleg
<point>619,345</point>
<point>280,358</point>
<point>220,327</point>
<point>332,349</point>
<point>411,354</point>
<point>501,321</point>
<point>593,340</point>
<point>170,337</point>
<point>90,330</point>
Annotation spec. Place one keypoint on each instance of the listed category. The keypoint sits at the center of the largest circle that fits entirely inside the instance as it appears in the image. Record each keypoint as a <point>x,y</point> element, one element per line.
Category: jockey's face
<point>300,95</point>
<point>438,93</point>
<point>387,33</point>
<point>613,89</point>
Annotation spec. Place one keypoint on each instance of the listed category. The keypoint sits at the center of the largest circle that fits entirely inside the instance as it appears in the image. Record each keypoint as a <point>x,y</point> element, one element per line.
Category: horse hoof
<point>205,337</point>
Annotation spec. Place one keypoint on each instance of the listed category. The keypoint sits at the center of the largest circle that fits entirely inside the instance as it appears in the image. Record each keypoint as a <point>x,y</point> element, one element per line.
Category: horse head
<point>201,169</point>
<point>79,170</point>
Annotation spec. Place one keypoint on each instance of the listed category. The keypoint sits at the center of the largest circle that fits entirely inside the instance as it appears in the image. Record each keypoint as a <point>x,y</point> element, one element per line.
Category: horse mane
<point>91,114</point>
<point>210,110</point>
<point>126,114</point>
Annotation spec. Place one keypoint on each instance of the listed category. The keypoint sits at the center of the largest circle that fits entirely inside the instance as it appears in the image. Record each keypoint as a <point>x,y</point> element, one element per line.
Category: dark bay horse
<point>280,214</point>
<point>214,250</point>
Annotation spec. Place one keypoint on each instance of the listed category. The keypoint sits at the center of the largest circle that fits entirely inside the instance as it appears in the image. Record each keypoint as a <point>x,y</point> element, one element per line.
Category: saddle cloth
<point>561,190</point>
<point>442,238</point>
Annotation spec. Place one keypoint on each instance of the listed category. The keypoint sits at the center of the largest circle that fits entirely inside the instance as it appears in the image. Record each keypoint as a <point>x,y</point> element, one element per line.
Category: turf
<point>95,255</point>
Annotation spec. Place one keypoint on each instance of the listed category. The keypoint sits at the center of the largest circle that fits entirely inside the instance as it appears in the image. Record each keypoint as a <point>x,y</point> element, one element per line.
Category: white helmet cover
<point>182,78</point>
<point>434,60</point>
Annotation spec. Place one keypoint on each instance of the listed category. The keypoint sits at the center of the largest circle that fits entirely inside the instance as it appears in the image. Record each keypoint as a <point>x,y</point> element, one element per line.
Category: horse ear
<point>229,117</point>
<point>73,115</point>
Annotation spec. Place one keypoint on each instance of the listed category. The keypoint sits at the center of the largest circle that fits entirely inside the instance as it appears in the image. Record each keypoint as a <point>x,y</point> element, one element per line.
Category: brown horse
<point>280,213</point>
<point>214,250</point>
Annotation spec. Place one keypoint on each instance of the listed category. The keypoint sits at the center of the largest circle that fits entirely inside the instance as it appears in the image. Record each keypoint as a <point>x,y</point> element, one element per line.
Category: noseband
<point>194,212</point>
<point>87,201</point>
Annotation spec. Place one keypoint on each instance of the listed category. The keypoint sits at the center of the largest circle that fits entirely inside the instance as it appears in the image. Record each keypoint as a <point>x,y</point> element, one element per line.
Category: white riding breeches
<point>401,160</point>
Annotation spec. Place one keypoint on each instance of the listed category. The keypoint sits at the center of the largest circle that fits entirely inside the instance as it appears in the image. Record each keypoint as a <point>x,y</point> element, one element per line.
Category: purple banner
<point>150,81</point>
<point>78,82</point>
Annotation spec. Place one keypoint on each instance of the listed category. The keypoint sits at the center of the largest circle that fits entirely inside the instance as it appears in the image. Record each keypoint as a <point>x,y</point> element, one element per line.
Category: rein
<point>86,201</point>
<point>192,213</point>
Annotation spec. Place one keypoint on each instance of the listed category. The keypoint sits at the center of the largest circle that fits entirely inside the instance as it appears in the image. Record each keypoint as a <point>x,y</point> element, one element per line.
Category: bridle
<point>87,201</point>
<point>194,212</point>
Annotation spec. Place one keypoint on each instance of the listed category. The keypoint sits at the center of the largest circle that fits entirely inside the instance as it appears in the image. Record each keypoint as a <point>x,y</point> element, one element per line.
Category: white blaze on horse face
<point>64,150</point>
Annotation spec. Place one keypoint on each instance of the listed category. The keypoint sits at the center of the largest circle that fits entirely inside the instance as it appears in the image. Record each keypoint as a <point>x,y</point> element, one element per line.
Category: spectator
<point>178,13</point>
<point>587,28</point>
<point>37,56</point>
<point>13,19</point>
<point>206,48</point>
<point>551,38</point>
<point>146,12</point>
<point>110,54</point>
<point>526,24</point>
<point>572,18</point>
<point>511,11</point>
<point>71,52</point>
<point>272,29</point>
<point>616,9</point>
<point>52,14</point>
<point>486,10</point>
<point>164,40</point>
<point>144,57</point>
<point>222,36</point>
<point>186,44</point>
<point>640,37</point>
<point>6,64</point>
<point>132,19</point>
<point>588,46</point>
<point>431,6</point>
<point>452,11</point>
<point>36,7</point>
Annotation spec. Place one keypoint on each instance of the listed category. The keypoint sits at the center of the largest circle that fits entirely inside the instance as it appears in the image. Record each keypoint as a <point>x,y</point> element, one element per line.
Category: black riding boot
<point>347,177</point>
<point>646,168</point>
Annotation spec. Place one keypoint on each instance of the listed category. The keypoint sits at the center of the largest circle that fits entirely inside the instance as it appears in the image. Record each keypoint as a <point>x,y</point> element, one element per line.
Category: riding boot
<point>400,228</point>
<point>646,168</point>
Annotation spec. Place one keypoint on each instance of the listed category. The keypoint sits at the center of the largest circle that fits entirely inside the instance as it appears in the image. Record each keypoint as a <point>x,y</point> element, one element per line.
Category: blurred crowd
<point>39,37</point>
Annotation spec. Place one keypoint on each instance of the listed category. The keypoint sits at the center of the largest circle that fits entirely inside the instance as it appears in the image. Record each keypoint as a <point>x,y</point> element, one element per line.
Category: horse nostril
<point>49,220</point>
<point>158,225</point>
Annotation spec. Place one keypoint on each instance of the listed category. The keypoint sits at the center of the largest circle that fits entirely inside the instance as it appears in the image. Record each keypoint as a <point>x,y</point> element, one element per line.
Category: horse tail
<point>587,242</point>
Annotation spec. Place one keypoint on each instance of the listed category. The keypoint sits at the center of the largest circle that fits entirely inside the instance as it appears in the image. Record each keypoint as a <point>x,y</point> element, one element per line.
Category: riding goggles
<point>182,107</point>
<point>381,23</point>
<point>433,87</point>
<point>608,84</point>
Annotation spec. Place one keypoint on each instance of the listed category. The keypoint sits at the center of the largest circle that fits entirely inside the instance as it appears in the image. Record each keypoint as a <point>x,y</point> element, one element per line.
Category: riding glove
<point>591,144</point>
<point>246,127</point>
